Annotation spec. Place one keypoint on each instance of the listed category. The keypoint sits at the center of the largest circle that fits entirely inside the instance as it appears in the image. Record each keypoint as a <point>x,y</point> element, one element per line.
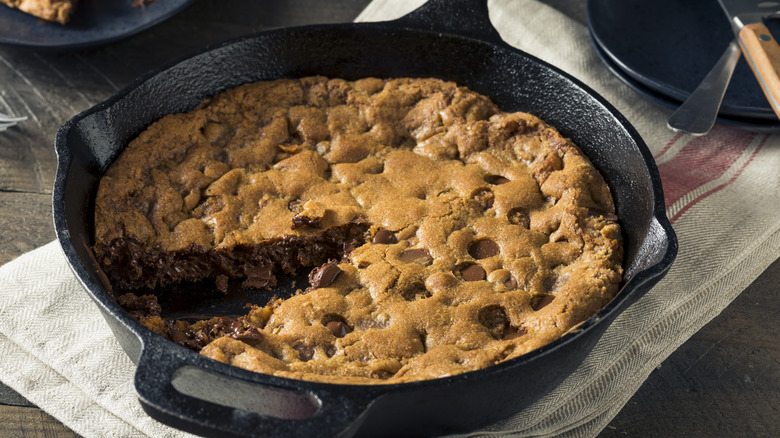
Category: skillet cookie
<point>442,234</point>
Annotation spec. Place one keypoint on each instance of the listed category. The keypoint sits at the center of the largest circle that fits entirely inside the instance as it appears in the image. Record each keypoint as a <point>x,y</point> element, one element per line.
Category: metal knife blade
<point>758,45</point>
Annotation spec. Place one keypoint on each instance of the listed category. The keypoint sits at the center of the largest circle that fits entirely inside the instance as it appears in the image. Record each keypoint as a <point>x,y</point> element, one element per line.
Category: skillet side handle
<point>658,251</point>
<point>468,18</point>
<point>175,388</point>
<point>665,241</point>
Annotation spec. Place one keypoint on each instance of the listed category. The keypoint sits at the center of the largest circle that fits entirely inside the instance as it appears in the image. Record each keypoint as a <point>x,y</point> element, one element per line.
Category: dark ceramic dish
<point>763,126</point>
<point>668,46</point>
<point>450,39</point>
<point>93,23</point>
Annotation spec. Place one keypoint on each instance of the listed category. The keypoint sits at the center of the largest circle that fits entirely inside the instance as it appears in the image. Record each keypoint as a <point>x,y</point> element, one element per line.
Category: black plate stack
<point>664,48</point>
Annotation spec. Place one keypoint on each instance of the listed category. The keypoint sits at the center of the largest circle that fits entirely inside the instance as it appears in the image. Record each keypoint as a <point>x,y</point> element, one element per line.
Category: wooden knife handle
<point>763,54</point>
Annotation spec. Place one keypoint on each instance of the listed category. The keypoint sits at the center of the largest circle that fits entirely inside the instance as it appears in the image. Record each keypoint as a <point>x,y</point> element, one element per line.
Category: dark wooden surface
<point>724,381</point>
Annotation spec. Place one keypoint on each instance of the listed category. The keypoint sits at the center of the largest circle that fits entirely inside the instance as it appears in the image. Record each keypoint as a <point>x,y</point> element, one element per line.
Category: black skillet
<point>450,39</point>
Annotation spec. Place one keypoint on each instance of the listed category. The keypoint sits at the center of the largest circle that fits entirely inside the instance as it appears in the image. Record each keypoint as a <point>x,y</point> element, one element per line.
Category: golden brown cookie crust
<point>478,235</point>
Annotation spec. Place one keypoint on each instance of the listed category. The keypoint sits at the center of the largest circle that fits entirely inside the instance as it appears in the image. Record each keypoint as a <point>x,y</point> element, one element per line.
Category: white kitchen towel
<point>722,195</point>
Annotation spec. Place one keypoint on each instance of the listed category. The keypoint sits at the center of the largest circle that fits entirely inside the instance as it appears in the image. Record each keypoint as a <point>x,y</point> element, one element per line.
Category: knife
<point>758,46</point>
<point>698,112</point>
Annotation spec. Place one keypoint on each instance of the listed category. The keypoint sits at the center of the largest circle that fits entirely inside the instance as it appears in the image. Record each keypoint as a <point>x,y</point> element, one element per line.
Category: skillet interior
<point>89,142</point>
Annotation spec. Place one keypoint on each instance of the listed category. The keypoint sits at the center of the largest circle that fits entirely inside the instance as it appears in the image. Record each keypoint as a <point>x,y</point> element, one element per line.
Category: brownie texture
<point>445,235</point>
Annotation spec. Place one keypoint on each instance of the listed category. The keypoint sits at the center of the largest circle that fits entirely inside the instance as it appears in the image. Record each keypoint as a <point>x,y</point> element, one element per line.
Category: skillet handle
<point>658,253</point>
<point>468,18</point>
<point>188,392</point>
<point>663,238</point>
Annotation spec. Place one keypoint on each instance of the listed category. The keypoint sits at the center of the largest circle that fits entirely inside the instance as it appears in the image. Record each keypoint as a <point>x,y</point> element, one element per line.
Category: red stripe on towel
<point>668,145</point>
<point>701,160</point>
<point>720,187</point>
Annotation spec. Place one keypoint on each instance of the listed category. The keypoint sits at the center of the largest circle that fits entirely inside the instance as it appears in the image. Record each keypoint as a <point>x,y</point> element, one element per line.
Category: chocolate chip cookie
<point>442,234</point>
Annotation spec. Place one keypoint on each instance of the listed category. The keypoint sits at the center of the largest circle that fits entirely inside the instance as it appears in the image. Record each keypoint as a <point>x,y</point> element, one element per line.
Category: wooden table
<point>725,381</point>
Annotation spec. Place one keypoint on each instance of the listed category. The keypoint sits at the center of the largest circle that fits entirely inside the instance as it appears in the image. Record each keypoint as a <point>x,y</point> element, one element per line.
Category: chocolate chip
<point>347,248</point>
<point>518,216</point>
<point>414,292</point>
<point>324,275</point>
<point>250,336</point>
<point>177,335</point>
<point>510,284</point>
<point>538,302</point>
<point>415,255</point>
<point>299,221</point>
<point>295,206</point>
<point>495,319</point>
<point>338,328</point>
<point>473,273</point>
<point>196,344</point>
<point>200,339</point>
<point>484,198</point>
<point>236,327</point>
<point>305,352</point>
<point>482,249</point>
<point>548,283</point>
<point>222,325</point>
<point>258,277</point>
<point>495,179</point>
<point>385,237</point>
<point>513,333</point>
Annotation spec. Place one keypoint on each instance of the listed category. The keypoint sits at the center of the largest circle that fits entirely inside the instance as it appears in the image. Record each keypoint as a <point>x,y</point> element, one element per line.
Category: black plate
<point>765,126</point>
<point>668,46</point>
<point>95,22</point>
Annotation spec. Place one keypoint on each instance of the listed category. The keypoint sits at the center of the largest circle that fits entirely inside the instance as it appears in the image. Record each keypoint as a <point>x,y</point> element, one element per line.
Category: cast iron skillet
<point>450,39</point>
